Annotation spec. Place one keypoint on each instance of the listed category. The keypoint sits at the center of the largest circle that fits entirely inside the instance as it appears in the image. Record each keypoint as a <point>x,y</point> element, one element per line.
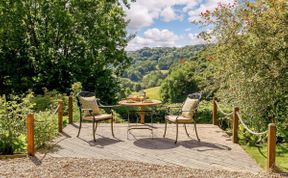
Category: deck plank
<point>215,151</point>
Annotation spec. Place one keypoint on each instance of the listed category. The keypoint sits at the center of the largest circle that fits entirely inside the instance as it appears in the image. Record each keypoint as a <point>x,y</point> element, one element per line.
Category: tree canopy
<point>250,57</point>
<point>53,44</point>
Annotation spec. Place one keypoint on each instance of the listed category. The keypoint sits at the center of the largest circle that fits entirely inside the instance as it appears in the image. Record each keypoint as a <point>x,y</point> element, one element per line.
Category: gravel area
<point>81,167</point>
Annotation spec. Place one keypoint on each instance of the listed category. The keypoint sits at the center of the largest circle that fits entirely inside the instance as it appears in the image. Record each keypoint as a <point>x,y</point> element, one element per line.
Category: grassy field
<point>153,93</point>
<point>259,153</point>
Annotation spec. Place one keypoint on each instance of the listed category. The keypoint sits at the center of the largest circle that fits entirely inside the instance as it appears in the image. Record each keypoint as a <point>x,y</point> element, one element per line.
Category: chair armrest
<point>86,109</point>
<point>89,110</point>
<point>108,106</point>
<point>166,110</point>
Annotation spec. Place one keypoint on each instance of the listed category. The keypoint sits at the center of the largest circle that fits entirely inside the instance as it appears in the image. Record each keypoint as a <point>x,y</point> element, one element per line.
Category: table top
<point>139,103</point>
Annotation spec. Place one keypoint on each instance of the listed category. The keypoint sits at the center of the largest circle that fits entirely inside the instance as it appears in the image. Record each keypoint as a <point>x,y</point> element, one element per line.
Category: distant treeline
<point>150,65</point>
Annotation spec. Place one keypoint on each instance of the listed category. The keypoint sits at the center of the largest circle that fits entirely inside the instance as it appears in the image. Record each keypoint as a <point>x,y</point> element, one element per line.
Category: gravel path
<point>81,167</point>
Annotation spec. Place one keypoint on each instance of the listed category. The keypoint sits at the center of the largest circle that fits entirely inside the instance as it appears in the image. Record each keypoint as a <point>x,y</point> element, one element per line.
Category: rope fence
<point>45,126</point>
<point>221,111</point>
<point>38,118</point>
<point>236,117</point>
<point>249,130</point>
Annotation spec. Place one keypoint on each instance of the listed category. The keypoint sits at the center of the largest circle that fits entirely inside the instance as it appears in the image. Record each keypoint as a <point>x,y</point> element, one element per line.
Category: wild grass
<point>259,153</point>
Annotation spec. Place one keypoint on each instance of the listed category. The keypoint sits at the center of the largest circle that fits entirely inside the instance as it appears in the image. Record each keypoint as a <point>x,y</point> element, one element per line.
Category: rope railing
<point>247,128</point>
<point>221,111</point>
<point>46,122</point>
<point>31,129</point>
<point>236,117</point>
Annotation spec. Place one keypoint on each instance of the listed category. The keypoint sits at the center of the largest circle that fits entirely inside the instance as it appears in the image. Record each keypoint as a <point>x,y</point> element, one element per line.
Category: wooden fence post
<point>60,116</point>
<point>235,125</point>
<point>271,147</point>
<point>30,135</point>
<point>70,109</point>
<point>214,112</point>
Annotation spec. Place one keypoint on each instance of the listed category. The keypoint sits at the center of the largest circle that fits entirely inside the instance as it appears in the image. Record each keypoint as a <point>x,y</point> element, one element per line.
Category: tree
<point>153,79</point>
<point>57,43</point>
<point>181,81</point>
<point>251,58</point>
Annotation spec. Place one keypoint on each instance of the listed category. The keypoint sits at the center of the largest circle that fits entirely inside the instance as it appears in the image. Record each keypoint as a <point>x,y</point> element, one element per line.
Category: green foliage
<point>56,43</point>
<point>204,112</point>
<point>180,82</point>
<point>246,138</point>
<point>153,79</point>
<point>13,113</point>
<point>136,71</point>
<point>76,88</point>
<point>153,93</point>
<point>46,127</point>
<point>250,58</point>
<point>42,102</point>
<point>127,86</point>
<point>150,60</point>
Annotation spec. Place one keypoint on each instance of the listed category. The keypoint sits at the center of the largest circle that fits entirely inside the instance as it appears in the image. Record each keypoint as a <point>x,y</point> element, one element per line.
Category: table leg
<point>142,115</point>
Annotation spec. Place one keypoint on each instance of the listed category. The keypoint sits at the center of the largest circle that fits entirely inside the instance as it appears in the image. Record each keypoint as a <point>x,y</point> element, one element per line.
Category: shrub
<point>45,127</point>
<point>12,122</point>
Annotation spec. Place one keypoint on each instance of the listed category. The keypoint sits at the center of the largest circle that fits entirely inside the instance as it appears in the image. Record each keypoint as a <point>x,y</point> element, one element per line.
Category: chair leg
<point>196,132</point>
<point>94,129</point>
<point>176,132</point>
<point>112,127</point>
<point>128,126</point>
<point>186,130</point>
<point>152,124</point>
<point>165,129</point>
<point>79,127</point>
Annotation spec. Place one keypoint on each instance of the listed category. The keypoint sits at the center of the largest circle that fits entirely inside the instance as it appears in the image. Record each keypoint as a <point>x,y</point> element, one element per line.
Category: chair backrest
<point>195,96</point>
<point>87,100</point>
<point>190,106</point>
<point>83,94</point>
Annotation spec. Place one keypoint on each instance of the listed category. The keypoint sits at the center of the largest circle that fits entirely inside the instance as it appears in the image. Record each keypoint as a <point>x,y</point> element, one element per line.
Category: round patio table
<point>140,104</point>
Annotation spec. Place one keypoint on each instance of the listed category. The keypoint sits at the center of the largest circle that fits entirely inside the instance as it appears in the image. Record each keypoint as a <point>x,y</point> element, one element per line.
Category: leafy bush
<point>45,127</point>
<point>76,87</point>
<point>42,102</point>
<point>13,113</point>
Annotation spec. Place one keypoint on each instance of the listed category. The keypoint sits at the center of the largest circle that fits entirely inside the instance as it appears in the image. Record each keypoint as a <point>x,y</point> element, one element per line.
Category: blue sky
<point>166,23</point>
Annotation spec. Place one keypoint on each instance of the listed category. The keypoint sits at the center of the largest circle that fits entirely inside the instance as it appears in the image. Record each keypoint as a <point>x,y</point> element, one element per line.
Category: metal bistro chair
<point>89,107</point>
<point>185,115</point>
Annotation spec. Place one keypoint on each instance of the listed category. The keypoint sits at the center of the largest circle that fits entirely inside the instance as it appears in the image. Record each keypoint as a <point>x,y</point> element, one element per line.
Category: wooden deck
<point>215,151</point>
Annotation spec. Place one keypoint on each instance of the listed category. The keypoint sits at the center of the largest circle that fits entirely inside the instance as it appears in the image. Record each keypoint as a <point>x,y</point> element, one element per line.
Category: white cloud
<point>195,8</point>
<point>144,12</point>
<point>197,40</point>
<point>168,14</point>
<point>194,39</point>
<point>139,17</point>
<point>154,38</point>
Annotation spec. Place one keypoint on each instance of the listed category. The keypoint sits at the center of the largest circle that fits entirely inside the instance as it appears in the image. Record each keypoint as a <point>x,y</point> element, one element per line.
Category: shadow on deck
<point>214,151</point>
